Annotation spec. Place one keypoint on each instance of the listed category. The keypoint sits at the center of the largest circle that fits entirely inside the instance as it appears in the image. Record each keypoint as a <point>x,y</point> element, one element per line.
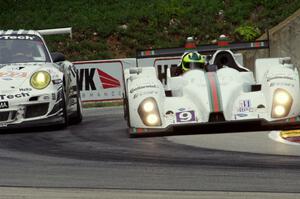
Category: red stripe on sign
<point>107,85</point>
<point>107,80</point>
<point>110,80</point>
<point>213,85</point>
<point>103,74</point>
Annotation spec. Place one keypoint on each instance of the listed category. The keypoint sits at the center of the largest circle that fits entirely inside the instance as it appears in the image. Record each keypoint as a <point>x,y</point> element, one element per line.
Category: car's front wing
<point>236,126</point>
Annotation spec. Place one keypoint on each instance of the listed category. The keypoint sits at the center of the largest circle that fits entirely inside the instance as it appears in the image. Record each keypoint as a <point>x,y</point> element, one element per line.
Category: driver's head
<point>192,60</point>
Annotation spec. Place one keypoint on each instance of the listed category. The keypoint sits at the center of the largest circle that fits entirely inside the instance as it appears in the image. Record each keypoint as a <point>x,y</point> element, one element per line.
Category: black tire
<point>126,104</point>
<point>65,117</point>
<point>77,118</point>
<point>126,110</point>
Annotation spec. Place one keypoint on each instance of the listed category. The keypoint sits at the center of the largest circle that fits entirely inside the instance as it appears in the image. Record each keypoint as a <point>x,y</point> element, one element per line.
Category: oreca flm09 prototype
<point>37,87</point>
<point>223,92</point>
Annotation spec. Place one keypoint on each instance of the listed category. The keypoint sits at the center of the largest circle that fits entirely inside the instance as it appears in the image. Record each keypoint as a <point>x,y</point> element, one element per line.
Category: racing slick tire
<point>77,118</point>
<point>65,117</point>
<point>126,104</point>
<point>126,110</point>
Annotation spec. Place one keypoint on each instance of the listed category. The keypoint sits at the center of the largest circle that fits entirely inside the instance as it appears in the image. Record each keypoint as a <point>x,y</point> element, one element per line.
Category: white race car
<point>223,93</point>
<point>37,87</point>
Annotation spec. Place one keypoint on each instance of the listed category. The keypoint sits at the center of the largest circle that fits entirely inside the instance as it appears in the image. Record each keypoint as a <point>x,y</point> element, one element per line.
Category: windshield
<point>22,49</point>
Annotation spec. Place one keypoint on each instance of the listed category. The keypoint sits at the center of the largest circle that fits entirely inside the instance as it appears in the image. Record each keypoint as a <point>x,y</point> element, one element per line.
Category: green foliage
<point>114,28</point>
<point>247,33</point>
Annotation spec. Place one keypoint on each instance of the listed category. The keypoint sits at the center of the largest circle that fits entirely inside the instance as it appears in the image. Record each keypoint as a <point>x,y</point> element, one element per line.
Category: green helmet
<point>192,60</point>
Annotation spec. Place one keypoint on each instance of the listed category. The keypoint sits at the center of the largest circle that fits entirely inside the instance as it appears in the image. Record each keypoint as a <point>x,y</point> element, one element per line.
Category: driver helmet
<point>192,60</point>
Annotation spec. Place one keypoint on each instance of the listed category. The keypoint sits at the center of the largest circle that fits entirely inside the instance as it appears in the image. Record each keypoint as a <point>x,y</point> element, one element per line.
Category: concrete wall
<point>284,42</point>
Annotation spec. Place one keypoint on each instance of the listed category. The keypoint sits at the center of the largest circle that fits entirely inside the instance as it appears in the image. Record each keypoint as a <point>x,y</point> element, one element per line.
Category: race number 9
<point>185,116</point>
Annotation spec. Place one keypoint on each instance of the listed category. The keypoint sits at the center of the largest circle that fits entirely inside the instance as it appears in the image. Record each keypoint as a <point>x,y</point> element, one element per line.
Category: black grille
<point>216,117</point>
<point>33,98</point>
<point>55,108</point>
<point>4,116</point>
<point>36,110</point>
<point>13,115</point>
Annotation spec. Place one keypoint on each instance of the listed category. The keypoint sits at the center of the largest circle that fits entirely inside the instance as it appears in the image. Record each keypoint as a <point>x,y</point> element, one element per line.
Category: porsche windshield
<point>22,49</point>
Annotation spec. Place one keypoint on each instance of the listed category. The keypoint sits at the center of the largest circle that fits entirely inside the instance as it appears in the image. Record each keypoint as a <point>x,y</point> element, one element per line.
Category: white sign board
<point>102,80</point>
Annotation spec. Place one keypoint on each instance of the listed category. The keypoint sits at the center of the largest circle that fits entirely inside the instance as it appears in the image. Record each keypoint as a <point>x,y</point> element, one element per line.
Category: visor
<point>193,65</point>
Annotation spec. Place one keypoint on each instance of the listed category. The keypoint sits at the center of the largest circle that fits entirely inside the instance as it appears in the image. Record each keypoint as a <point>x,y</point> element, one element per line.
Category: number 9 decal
<point>185,116</point>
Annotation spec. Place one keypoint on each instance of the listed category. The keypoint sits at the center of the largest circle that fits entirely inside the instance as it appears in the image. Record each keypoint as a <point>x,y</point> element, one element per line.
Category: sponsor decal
<point>280,77</point>
<point>100,94</point>
<point>7,78</point>
<point>245,106</point>
<point>15,37</point>
<point>101,79</point>
<point>143,93</point>
<point>143,87</point>
<point>12,74</point>
<point>4,105</point>
<point>281,84</point>
<point>242,115</point>
<point>25,89</point>
<point>87,74</point>
<point>185,116</point>
<point>19,95</point>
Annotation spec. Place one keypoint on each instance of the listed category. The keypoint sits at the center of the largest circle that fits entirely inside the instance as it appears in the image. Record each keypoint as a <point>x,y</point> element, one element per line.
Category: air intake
<point>216,117</point>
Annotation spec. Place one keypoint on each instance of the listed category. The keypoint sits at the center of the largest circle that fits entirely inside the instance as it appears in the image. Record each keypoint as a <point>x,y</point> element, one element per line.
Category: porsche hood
<point>13,76</point>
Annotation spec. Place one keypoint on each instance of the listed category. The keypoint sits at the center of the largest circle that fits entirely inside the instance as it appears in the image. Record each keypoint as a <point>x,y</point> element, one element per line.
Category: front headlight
<point>282,102</point>
<point>149,113</point>
<point>40,80</point>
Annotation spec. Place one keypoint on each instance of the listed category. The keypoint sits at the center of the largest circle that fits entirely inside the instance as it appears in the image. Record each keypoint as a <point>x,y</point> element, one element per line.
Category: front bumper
<point>39,109</point>
<point>49,121</point>
<point>216,128</point>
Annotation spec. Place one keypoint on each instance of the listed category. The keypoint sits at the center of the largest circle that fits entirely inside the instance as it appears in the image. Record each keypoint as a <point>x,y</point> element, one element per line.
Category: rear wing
<point>56,31</point>
<point>205,49</point>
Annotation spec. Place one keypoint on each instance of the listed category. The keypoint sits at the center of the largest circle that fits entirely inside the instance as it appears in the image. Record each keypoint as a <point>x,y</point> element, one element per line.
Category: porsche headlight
<point>40,80</point>
<point>282,102</point>
<point>149,113</point>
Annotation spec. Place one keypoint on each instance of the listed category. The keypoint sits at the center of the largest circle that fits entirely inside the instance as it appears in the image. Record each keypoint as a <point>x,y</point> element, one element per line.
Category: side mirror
<point>58,57</point>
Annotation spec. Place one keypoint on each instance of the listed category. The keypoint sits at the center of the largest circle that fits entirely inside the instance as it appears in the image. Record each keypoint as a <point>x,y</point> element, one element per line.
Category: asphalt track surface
<point>98,154</point>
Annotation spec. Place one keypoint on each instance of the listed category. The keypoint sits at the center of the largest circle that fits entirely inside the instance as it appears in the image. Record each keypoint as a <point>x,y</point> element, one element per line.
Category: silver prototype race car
<point>37,88</point>
<point>223,93</point>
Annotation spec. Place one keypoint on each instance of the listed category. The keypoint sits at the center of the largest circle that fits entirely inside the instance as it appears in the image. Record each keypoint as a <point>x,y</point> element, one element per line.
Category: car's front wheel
<point>63,106</point>
<point>77,118</point>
